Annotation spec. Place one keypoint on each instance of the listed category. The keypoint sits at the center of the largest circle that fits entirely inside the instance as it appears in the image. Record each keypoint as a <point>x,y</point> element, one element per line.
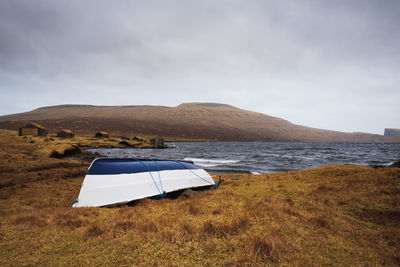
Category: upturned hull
<point>116,181</point>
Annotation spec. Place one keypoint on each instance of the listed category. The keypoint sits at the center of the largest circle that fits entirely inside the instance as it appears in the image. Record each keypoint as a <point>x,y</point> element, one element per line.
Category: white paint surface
<point>103,190</point>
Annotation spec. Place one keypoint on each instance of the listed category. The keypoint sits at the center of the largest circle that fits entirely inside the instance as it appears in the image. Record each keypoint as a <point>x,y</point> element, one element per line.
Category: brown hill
<point>188,121</point>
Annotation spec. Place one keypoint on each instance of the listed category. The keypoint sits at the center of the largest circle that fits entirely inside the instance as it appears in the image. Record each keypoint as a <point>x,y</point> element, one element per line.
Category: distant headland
<point>392,132</point>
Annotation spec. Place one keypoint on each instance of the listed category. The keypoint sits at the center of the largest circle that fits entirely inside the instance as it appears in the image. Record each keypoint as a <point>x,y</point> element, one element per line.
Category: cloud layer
<point>325,64</point>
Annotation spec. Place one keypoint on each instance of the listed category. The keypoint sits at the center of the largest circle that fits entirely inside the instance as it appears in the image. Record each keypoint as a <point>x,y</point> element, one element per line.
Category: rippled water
<point>266,157</point>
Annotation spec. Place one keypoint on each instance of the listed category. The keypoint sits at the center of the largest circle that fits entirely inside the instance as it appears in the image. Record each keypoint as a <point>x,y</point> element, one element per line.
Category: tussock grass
<point>333,215</point>
<point>264,247</point>
<point>223,228</point>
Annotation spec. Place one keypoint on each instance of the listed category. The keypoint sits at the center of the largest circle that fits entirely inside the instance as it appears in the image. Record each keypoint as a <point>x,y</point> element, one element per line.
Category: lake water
<point>266,157</point>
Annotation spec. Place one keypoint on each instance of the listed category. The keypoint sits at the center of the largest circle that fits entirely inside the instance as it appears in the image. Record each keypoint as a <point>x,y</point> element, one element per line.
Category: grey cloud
<point>301,60</point>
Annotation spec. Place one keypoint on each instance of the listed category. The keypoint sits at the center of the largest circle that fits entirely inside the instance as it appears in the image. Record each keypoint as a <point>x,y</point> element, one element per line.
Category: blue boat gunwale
<point>112,166</point>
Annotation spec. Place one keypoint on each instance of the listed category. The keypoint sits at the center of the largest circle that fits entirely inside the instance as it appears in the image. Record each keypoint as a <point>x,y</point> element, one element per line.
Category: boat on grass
<point>114,181</point>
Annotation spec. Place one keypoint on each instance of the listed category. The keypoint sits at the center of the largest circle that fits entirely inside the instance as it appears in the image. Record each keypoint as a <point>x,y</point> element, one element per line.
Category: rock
<point>123,137</point>
<point>396,164</point>
<point>64,133</point>
<point>73,151</point>
<point>102,135</point>
<point>125,143</point>
<point>137,139</point>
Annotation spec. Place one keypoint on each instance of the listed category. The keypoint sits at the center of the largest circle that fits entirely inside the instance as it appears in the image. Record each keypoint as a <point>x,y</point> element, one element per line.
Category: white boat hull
<point>110,189</point>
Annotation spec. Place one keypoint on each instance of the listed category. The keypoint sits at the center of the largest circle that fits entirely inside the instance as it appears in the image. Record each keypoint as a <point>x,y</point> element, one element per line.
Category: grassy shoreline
<point>332,215</point>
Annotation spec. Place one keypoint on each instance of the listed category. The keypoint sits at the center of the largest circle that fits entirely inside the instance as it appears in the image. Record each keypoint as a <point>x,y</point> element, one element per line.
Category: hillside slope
<point>188,121</point>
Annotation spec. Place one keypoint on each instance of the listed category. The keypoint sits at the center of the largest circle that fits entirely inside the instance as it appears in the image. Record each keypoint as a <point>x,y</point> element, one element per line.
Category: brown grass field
<point>334,215</point>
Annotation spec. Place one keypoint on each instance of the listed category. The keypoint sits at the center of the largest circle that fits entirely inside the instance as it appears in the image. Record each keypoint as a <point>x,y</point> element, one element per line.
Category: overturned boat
<point>112,181</point>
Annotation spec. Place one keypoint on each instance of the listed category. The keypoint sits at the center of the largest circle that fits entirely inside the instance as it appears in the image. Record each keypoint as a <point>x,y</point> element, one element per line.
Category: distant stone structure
<point>33,129</point>
<point>102,135</point>
<point>157,142</point>
<point>65,134</point>
<point>392,132</point>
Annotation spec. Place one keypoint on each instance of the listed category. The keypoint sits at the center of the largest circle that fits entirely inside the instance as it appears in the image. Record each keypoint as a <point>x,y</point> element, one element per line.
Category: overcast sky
<point>325,64</point>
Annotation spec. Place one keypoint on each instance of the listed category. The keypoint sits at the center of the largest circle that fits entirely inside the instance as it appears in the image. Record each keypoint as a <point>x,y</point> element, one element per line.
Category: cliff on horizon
<point>392,132</point>
<point>186,122</point>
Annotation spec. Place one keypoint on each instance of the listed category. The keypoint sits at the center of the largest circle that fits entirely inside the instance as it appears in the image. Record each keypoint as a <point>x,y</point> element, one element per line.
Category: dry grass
<point>334,215</point>
<point>26,159</point>
<point>263,247</point>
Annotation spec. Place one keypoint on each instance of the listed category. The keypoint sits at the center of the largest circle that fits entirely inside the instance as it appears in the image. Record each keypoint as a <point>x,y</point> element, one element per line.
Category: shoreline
<point>345,142</point>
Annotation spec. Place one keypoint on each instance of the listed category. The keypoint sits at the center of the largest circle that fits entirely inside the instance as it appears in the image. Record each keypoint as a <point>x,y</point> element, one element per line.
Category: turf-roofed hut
<point>33,129</point>
<point>64,133</point>
<point>102,135</point>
